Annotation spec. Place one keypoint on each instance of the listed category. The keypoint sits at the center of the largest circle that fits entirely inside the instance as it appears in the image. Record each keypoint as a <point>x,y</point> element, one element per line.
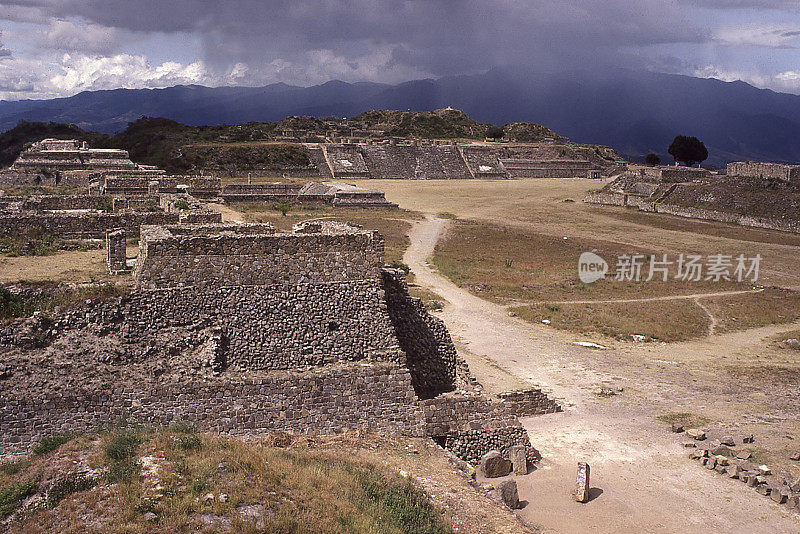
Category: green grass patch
<point>51,443</point>
<point>687,419</point>
<point>12,495</point>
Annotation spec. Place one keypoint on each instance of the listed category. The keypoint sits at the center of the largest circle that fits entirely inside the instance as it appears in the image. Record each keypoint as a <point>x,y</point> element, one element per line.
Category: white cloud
<point>761,34</point>
<point>788,81</point>
<point>122,70</point>
<point>72,73</point>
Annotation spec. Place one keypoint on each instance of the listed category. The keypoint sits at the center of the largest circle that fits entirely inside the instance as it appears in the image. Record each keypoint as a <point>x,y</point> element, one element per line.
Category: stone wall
<point>276,326</point>
<point>787,173</point>
<point>472,425</point>
<point>675,174</point>
<point>376,397</point>
<point>116,258</point>
<point>528,402</point>
<point>224,255</point>
<point>431,356</point>
<point>657,206</point>
<point>84,225</point>
<point>770,223</point>
<point>605,197</point>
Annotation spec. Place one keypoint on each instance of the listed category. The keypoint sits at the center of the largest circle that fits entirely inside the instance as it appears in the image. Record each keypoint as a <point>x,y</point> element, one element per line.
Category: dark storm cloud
<point>437,36</point>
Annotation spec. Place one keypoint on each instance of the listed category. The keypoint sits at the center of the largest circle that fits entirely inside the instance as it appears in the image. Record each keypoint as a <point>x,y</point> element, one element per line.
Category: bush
<point>400,504</point>
<point>122,446</point>
<point>11,496</point>
<point>181,204</point>
<point>397,264</point>
<point>189,442</point>
<point>495,132</point>
<point>652,159</point>
<point>51,443</point>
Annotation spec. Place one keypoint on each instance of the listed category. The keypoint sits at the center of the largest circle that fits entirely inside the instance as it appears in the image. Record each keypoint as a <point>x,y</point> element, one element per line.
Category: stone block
<point>582,483</point>
<point>696,433</point>
<point>494,465</point>
<point>519,459</point>
<point>507,492</point>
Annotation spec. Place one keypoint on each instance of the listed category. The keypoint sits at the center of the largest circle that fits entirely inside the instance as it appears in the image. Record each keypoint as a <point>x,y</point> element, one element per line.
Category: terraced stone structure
<point>72,162</point>
<point>240,329</point>
<point>757,195</point>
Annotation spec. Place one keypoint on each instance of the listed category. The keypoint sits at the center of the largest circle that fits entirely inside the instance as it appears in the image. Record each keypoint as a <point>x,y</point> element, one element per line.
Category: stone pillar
<point>582,483</point>
<point>115,246</point>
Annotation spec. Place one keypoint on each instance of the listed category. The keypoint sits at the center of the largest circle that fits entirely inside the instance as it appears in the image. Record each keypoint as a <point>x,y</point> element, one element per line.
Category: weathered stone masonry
<point>304,332</point>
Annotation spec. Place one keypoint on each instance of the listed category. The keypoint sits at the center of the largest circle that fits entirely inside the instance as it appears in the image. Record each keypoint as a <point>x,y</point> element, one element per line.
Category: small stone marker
<point>493,465</point>
<point>582,483</point>
<point>696,433</point>
<point>795,456</point>
<point>748,439</point>
<point>507,492</point>
<point>518,459</point>
<point>677,428</point>
<point>744,455</point>
<point>728,441</point>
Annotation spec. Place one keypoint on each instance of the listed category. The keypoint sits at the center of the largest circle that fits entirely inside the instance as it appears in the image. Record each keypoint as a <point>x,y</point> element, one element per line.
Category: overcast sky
<point>61,47</point>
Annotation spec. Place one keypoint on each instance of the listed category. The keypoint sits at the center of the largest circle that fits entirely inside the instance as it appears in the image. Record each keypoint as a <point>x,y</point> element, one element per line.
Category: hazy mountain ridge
<point>634,112</point>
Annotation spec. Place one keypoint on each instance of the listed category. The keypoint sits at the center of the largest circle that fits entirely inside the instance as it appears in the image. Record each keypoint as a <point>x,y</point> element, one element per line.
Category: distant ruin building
<point>70,162</point>
<point>776,171</point>
<point>760,195</point>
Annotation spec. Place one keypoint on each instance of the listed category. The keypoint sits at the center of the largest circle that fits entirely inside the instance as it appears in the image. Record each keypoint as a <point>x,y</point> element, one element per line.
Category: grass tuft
<point>51,443</point>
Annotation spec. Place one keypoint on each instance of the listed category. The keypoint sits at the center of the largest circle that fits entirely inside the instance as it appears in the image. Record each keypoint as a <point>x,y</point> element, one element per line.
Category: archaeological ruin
<point>238,328</point>
<point>70,162</point>
<point>760,195</point>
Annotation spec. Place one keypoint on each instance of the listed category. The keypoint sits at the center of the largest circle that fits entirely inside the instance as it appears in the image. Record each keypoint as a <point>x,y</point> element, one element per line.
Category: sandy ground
<point>644,481</point>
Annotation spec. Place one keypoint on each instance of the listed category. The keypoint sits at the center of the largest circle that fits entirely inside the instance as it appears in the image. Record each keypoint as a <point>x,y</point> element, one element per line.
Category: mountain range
<point>635,112</point>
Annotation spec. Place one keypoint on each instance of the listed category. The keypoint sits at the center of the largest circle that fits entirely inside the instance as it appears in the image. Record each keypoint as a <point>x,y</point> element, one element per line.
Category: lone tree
<point>689,150</point>
<point>652,159</point>
<point>494,132</point>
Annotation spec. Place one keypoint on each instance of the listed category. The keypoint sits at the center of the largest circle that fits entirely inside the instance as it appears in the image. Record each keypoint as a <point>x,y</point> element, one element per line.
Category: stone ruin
<point>776,171</point>
<point>759,195</point>
<point>70,162</point>
<point>431,160</point>
<point>239,329</point>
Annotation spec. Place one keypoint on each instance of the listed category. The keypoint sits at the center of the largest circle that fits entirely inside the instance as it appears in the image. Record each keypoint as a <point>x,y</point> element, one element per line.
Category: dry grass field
<point>517,243</point>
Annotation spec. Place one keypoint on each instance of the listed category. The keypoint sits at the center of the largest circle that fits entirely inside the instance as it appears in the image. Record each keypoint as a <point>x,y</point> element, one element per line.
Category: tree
<point>494,132</point>
<point>652,159</point>
<point>689,150</point>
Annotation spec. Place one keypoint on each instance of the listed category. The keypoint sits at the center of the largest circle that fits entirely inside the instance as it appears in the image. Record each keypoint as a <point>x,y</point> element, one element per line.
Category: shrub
<point>51,443</point>
<point>181,204</point>
<point>122,446</point>
<point>652,159</point>
<point>12,468</point>
<point>189,442</point>
<point>397,264</point>
<point>11,496</point>
<point>283,207</point>
<point>494,132</point>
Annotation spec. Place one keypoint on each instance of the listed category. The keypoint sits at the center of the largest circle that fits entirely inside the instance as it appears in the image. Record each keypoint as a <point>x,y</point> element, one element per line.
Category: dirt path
<point>228,214</point>
<point>693,296</point>
<point>647,482</point>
